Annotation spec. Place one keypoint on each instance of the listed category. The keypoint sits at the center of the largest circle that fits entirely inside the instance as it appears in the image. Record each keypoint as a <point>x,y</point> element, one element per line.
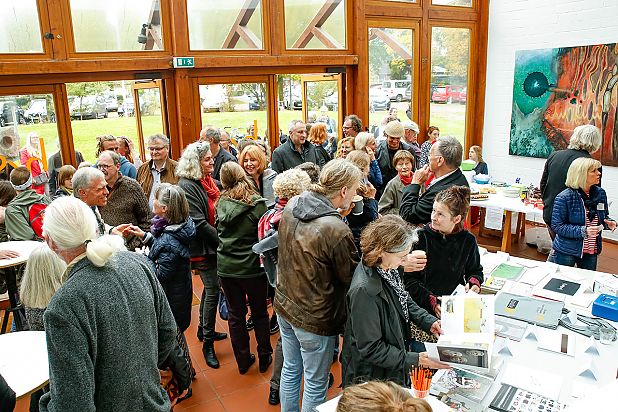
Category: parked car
<point>111,104</point>
<point>378,99</point>
<point>463,96</point>
<point>37,112</point>
<point>9,111</point>
<point>408,94</point>
<point>88,107</point>
<point>448,94</point>
<point>395,89</point>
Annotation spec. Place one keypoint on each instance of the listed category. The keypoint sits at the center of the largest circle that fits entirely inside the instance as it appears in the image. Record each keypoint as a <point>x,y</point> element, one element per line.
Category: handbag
<point>40,179</point>
<point>223,311</point>
<point>420,335</point>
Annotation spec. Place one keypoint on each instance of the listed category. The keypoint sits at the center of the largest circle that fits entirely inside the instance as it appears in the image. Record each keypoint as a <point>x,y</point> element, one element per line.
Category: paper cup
<point>358,205</point>
<point>419,254</point>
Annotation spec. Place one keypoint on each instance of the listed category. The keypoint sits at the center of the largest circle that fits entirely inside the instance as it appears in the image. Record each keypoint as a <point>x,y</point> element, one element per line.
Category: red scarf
<point>209,185</point>
<point>405,180</point>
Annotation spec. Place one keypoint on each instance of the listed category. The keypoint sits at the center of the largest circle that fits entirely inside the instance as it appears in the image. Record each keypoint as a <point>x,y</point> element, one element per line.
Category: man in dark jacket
<point>386,150</point>
<point>317,257</point>
<point>584,141</point>
<point>212,136</point>
<point>296,150</point>
<point>444,161</point>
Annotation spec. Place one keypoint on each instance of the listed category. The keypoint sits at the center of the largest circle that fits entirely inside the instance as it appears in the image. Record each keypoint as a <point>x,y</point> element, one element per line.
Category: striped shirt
<point>590,242</point>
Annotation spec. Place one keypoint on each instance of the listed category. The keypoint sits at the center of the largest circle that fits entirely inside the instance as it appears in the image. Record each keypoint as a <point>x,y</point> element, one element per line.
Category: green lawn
<point>450,118</point>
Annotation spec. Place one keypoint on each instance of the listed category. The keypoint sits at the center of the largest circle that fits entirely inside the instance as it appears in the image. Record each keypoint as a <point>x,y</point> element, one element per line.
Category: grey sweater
<point>108,331</point>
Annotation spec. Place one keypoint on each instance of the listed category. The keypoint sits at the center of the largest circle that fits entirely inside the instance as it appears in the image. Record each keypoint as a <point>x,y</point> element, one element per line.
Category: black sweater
<point>451,260</point>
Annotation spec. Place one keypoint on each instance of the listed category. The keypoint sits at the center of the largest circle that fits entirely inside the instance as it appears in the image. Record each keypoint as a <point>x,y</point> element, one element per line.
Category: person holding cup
<point>365,205</point>
<point>380,310</point>
<point>446,254</point>
<point>579,214</point>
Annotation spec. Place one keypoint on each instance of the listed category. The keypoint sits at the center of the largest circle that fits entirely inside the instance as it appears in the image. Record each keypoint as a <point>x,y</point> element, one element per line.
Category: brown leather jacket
<point>317,258</point>
<point>145,179</point>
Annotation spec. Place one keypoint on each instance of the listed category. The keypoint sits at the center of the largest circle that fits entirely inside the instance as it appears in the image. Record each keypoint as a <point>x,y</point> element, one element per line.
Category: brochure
<point>510,328</point>
<point>508,271</point>
<point>532,310</point>
<point>460,404</point>
<point>462,382</point>
<point>513,399</point>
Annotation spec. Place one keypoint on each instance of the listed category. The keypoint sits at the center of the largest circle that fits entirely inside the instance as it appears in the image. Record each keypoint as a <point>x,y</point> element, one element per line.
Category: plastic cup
<point>418,394</point>
<point>606,335</point>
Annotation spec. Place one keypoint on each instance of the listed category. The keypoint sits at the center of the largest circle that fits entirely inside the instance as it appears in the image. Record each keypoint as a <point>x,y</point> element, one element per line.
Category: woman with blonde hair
<point>379,396</point>
<point>238,211</point>
<point>32,150</point>
<point>254,162</point>
<point>367,142</point>
<point>380,310</point>
<point>579,215</point>
<point>476,155</point>
<point>318,135</point>
<point>344,147</point>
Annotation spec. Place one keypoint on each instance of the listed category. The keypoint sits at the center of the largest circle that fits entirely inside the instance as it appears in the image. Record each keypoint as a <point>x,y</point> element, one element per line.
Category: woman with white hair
<point>31,150</point>
<point>367,143</point>
<point>579,215</point>
<point>195,169</point>
<point>585,141</point>
<point>109,327</point>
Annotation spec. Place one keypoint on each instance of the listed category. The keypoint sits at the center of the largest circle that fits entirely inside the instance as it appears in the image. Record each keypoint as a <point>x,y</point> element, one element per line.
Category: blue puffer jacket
<point>170,254</point>
<point>568,220</point>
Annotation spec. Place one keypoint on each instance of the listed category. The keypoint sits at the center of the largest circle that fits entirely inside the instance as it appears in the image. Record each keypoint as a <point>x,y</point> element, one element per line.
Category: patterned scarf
<point>159,223</point>
<point>394,280</point>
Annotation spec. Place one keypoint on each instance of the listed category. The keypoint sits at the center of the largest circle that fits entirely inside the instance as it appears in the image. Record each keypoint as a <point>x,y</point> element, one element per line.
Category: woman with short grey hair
<point>195,169</point>
<point>110,309</point>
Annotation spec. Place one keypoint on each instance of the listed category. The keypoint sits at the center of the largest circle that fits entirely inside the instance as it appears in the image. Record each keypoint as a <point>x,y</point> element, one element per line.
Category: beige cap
<point>394,129</point>
<point>411,126</point>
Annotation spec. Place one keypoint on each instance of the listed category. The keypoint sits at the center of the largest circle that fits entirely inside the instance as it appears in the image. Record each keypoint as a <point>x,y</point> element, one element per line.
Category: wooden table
<point>23,361</point>
<point>510,205</point>
<point>24,248</point>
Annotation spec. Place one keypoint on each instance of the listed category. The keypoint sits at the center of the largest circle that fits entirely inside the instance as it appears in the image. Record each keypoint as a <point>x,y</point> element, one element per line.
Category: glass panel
<point>290,101</point>
<point>235,108</point>
<point>390,75</point>
<point>461,3</point>
<point>21,115</point>
<point>404,1</point>
<point>323,104</point>
<point>450,58</point>
<point>116,25</point>
<point>102,108</point>
<point>151,115</point>
<point>315,24</point>
<point>19,27</point>
<point>216,25</point>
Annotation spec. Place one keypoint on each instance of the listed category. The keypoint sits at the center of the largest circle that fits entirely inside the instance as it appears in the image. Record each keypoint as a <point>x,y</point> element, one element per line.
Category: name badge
<point>601,206</point>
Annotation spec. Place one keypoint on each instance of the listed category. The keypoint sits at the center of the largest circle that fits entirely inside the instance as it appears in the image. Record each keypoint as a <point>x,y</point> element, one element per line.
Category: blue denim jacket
<point>568,220</point>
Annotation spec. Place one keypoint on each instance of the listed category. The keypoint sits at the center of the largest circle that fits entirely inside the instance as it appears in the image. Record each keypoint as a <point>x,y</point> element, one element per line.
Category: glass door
<point>322,101</point>
<point>147,103</point>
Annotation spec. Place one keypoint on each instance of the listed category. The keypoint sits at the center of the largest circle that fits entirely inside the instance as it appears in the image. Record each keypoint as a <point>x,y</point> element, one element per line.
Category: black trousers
<point>236,291</point>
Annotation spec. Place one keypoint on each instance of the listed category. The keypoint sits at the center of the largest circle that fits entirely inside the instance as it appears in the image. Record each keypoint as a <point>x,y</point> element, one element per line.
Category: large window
<point>117,25</point>
<point>450,59</point>
<point>233,24</point>
<point>19,27</point>
<point>315,24</point>
<point>390,74</point>
<point>235,107</point>
<point>462,3</point>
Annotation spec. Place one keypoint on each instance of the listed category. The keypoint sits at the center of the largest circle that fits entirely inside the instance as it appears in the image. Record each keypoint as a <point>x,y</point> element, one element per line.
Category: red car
<point>449,94</point>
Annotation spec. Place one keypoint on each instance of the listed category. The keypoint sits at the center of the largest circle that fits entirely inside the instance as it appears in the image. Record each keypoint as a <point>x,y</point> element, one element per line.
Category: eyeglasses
<point>156,149</point>
<point>103,167</point>
<point>347,127</point>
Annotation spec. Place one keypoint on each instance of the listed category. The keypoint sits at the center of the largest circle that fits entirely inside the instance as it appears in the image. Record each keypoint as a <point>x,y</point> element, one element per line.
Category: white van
<point>396,89</point>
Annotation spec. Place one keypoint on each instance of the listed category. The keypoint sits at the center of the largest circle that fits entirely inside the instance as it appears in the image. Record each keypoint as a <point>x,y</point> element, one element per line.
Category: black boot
<point>208,349</point>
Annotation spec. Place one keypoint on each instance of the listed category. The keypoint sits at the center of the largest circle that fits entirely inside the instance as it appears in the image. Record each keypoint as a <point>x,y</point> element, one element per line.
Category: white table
<point>23,361</point>
<point>510,205</point>
<point>24,248</point>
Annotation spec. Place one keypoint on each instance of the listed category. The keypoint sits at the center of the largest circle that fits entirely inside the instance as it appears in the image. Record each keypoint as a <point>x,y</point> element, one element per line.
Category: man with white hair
<point>212,136</point>
<point>296,150</point>
<point>106,355</point>
<point>160,168</point>
<point>90,187</point>
<point>585,141</point>
<point>411,138</point>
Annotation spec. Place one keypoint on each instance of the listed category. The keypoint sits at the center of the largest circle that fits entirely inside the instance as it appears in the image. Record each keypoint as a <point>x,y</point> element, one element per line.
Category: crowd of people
<point>357,238</point>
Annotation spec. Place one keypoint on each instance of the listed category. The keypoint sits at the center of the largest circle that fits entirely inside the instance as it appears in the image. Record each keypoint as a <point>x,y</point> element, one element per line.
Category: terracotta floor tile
<point>210,406</point>
<point>203,391</point>
<point>226,379</point>
<point>254,399</point>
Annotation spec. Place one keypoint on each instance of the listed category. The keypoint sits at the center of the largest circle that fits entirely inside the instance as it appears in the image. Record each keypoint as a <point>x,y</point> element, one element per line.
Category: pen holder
<point>421,381</point>
<point>418,394</point>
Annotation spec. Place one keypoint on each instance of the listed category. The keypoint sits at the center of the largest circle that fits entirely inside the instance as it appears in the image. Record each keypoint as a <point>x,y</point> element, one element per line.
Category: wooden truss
<point>315,28</point>
<point>153,31</point>
<point>240,30</point>
<point>392,42</point>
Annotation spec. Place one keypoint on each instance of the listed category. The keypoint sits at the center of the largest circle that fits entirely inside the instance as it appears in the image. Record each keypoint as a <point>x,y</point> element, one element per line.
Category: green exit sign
<point>184,62</point>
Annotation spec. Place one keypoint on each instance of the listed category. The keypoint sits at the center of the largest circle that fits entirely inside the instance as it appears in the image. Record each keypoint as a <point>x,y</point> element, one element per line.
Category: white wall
<point>536,24</point>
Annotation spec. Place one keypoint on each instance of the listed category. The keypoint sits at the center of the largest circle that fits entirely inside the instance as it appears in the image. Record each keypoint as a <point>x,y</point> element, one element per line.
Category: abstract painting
<point>556,90</point>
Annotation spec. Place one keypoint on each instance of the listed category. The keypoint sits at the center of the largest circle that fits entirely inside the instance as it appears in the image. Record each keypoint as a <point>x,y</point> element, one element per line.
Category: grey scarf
<point>394,280</point>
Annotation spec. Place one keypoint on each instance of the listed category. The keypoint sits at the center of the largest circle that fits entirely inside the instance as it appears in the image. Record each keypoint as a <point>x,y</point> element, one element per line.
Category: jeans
<point>587,261</point>
<point>308,353</point>
<point>236,291</point>
<point>210,298</point>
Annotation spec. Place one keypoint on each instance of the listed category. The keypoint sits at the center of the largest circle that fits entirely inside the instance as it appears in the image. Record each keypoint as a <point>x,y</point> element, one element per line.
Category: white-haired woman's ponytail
<point>100,250</point>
